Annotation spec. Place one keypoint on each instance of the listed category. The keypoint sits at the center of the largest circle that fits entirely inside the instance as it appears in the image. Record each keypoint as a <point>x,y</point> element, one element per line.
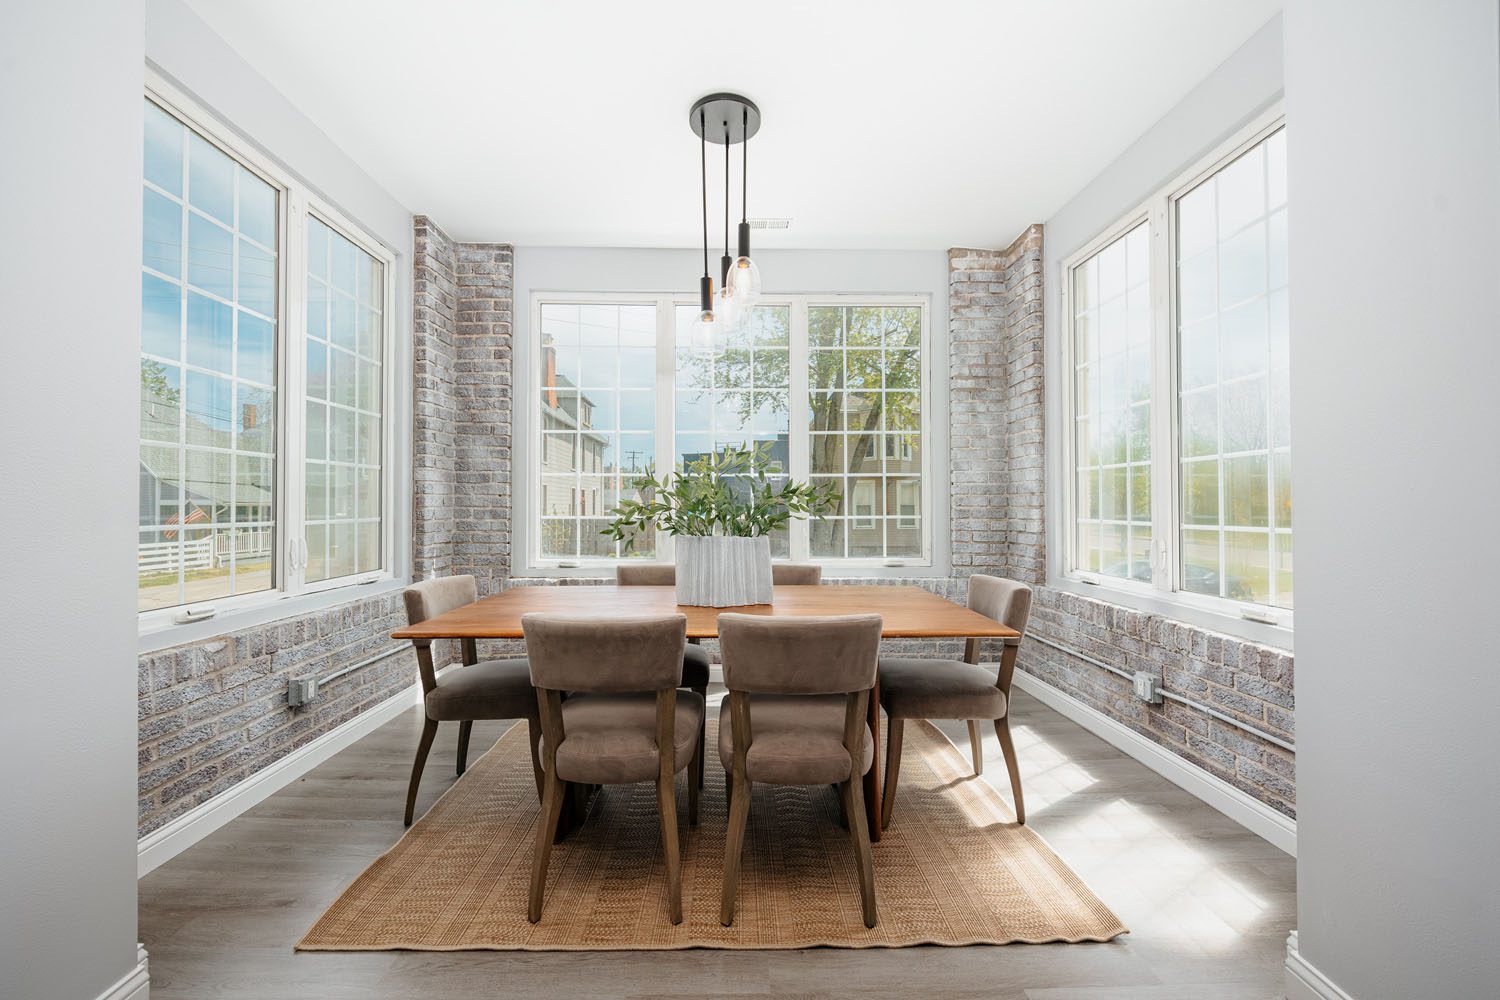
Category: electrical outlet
<point>301,690</point>
<point>1147,687</point>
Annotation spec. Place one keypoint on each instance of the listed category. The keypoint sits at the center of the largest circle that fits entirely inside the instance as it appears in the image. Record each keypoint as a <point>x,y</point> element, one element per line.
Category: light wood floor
<point>1209,904</point>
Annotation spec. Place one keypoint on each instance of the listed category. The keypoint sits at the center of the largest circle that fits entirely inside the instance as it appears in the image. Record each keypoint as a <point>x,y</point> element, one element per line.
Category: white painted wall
<point>70,115</point>
<point>1394,113</point>
<point>889,272</point>
<point>183,48</point>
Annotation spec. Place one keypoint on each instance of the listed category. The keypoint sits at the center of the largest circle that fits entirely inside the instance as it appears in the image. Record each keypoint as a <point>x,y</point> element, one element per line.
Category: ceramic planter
<point>723,572</point>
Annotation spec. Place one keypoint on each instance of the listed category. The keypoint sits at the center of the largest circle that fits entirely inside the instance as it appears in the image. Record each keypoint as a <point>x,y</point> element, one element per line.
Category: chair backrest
<point>1006,601</point>
<point>645,575</point>
<point>825,654</point>
<point>796,575</point>
<point>627,654</point>
<point>431,598</point>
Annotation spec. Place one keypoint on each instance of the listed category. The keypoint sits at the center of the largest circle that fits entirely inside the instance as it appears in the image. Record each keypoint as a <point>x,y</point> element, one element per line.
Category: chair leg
<point>695,785</point>
<point>1008,749</point>
<point>464,729</point>
<point>424,745</point>
<point>546,827</point>
<point>534,734</point>
<point>892,770</point>
<point>976,748</point>
<point>702,728</point>
<point>859,833</point>
<point>666,803</point>
<point>734,843</point>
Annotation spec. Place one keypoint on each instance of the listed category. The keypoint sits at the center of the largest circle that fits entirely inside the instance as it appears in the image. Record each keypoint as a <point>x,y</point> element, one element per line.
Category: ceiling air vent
<point>770,223</point>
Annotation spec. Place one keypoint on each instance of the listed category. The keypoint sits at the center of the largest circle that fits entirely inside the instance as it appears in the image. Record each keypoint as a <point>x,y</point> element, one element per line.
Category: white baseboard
<point>135,984</point>
<point>1303,981</point>
<point>1255,816</point>
<point>170,840</point>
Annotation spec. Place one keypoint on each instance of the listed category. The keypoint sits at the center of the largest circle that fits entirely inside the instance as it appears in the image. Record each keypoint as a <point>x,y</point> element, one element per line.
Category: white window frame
<point>295,202</point>
<point>1243,618</point>
<point>665,437</point>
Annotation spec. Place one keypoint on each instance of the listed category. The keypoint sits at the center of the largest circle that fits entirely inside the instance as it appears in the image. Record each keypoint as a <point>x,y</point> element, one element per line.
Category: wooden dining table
<point>906,612</point>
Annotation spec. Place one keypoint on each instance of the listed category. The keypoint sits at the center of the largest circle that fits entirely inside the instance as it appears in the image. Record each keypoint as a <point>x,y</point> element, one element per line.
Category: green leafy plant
<point>730,493</point>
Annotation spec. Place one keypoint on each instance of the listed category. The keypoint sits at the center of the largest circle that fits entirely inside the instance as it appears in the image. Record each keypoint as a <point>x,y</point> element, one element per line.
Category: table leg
<point>872,776</point>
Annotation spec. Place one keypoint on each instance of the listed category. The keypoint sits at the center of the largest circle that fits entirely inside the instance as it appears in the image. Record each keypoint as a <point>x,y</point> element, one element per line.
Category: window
<point>1180,447</point>
<point>833,391</point>
<point>345,393</point>
<point>224,449</point>
<point>1112,407</point>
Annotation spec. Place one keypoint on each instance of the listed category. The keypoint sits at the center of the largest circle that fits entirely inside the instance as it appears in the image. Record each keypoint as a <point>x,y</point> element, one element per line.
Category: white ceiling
<point>913,125</point>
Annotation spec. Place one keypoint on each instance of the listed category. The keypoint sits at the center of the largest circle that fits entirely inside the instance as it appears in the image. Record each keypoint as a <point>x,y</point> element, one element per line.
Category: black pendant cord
<point>703,174</point>
<point>727,260</point>
<point>744,234</point>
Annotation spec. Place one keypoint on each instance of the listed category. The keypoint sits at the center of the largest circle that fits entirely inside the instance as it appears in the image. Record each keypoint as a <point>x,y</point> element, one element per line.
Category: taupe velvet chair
<point>950,689</point>
<point>488,689</point>
<point>799,689</point>
<point>796,575</point>
<point>695,659</point>
<point>625,720</point>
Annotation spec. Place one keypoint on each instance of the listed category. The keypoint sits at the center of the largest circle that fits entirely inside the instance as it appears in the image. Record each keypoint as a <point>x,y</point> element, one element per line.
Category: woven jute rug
<point>952,869</point>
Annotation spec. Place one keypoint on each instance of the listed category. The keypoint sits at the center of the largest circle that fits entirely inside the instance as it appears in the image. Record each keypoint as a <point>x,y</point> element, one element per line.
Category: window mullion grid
<point>666,379</point>
<point>799,452</point>
<point>1165,484</point>
<point>292,445</point>
<point>182,354</point>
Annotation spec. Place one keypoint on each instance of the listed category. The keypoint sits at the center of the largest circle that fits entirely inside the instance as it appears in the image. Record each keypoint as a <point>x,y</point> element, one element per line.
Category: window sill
<point>1156,603</point>
<point>832,570</point>
<point>273,609</point>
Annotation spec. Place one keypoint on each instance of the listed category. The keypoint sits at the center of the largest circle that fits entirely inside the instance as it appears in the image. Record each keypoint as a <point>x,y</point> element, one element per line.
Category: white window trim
<point>528,427</point>
<point>289,593</point>
<point>1217,613</point>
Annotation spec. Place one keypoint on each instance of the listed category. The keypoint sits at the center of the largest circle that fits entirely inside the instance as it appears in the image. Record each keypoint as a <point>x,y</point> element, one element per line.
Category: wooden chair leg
<point>546,827</point>
<point>734,843</point>
<point>666,803</point>
<point>1008,749</point>
<point>424,745</point>
<point>976,748</point>
<point>534,734</point>
<point>859,833</point>
<point>702,729</point>
<point>464,729</point>
<point>695,785</point>
<point>892,770</point>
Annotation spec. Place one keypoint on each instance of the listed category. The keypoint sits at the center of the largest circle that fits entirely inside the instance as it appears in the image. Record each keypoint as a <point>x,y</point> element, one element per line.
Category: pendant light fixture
<point>726,118</point>
<point>725,307</point>
<point>743,277</point>
<point>705,327</point>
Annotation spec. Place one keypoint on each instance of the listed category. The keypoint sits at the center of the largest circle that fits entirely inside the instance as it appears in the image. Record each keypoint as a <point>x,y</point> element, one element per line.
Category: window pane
<point>1232,343</point>
<point>344,365</point>
<point>598,419</point>
<point>208,383</point>
<point>864,371</point>
<point>1112,407</point>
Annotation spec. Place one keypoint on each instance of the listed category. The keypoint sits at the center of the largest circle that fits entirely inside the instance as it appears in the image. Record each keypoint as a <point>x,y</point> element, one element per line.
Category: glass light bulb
<point>727,311</point>
<point>744,284</point>
<point>703,332</point>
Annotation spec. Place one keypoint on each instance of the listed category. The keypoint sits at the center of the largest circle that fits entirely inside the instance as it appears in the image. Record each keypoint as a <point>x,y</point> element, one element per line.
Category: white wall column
<point>70,115</point>
<point>1393,116</point>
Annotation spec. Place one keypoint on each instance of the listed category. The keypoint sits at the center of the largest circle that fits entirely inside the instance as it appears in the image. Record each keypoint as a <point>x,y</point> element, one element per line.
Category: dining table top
<point>905,611</point>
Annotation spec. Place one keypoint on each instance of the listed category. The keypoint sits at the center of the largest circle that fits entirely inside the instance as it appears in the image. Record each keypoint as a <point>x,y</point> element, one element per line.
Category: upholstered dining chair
<point>480,689</point>
<point>950,689</point>
<point>625,720</point>
<point>695,659</point>
<point>796,575</point>
<point>799,690</point>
